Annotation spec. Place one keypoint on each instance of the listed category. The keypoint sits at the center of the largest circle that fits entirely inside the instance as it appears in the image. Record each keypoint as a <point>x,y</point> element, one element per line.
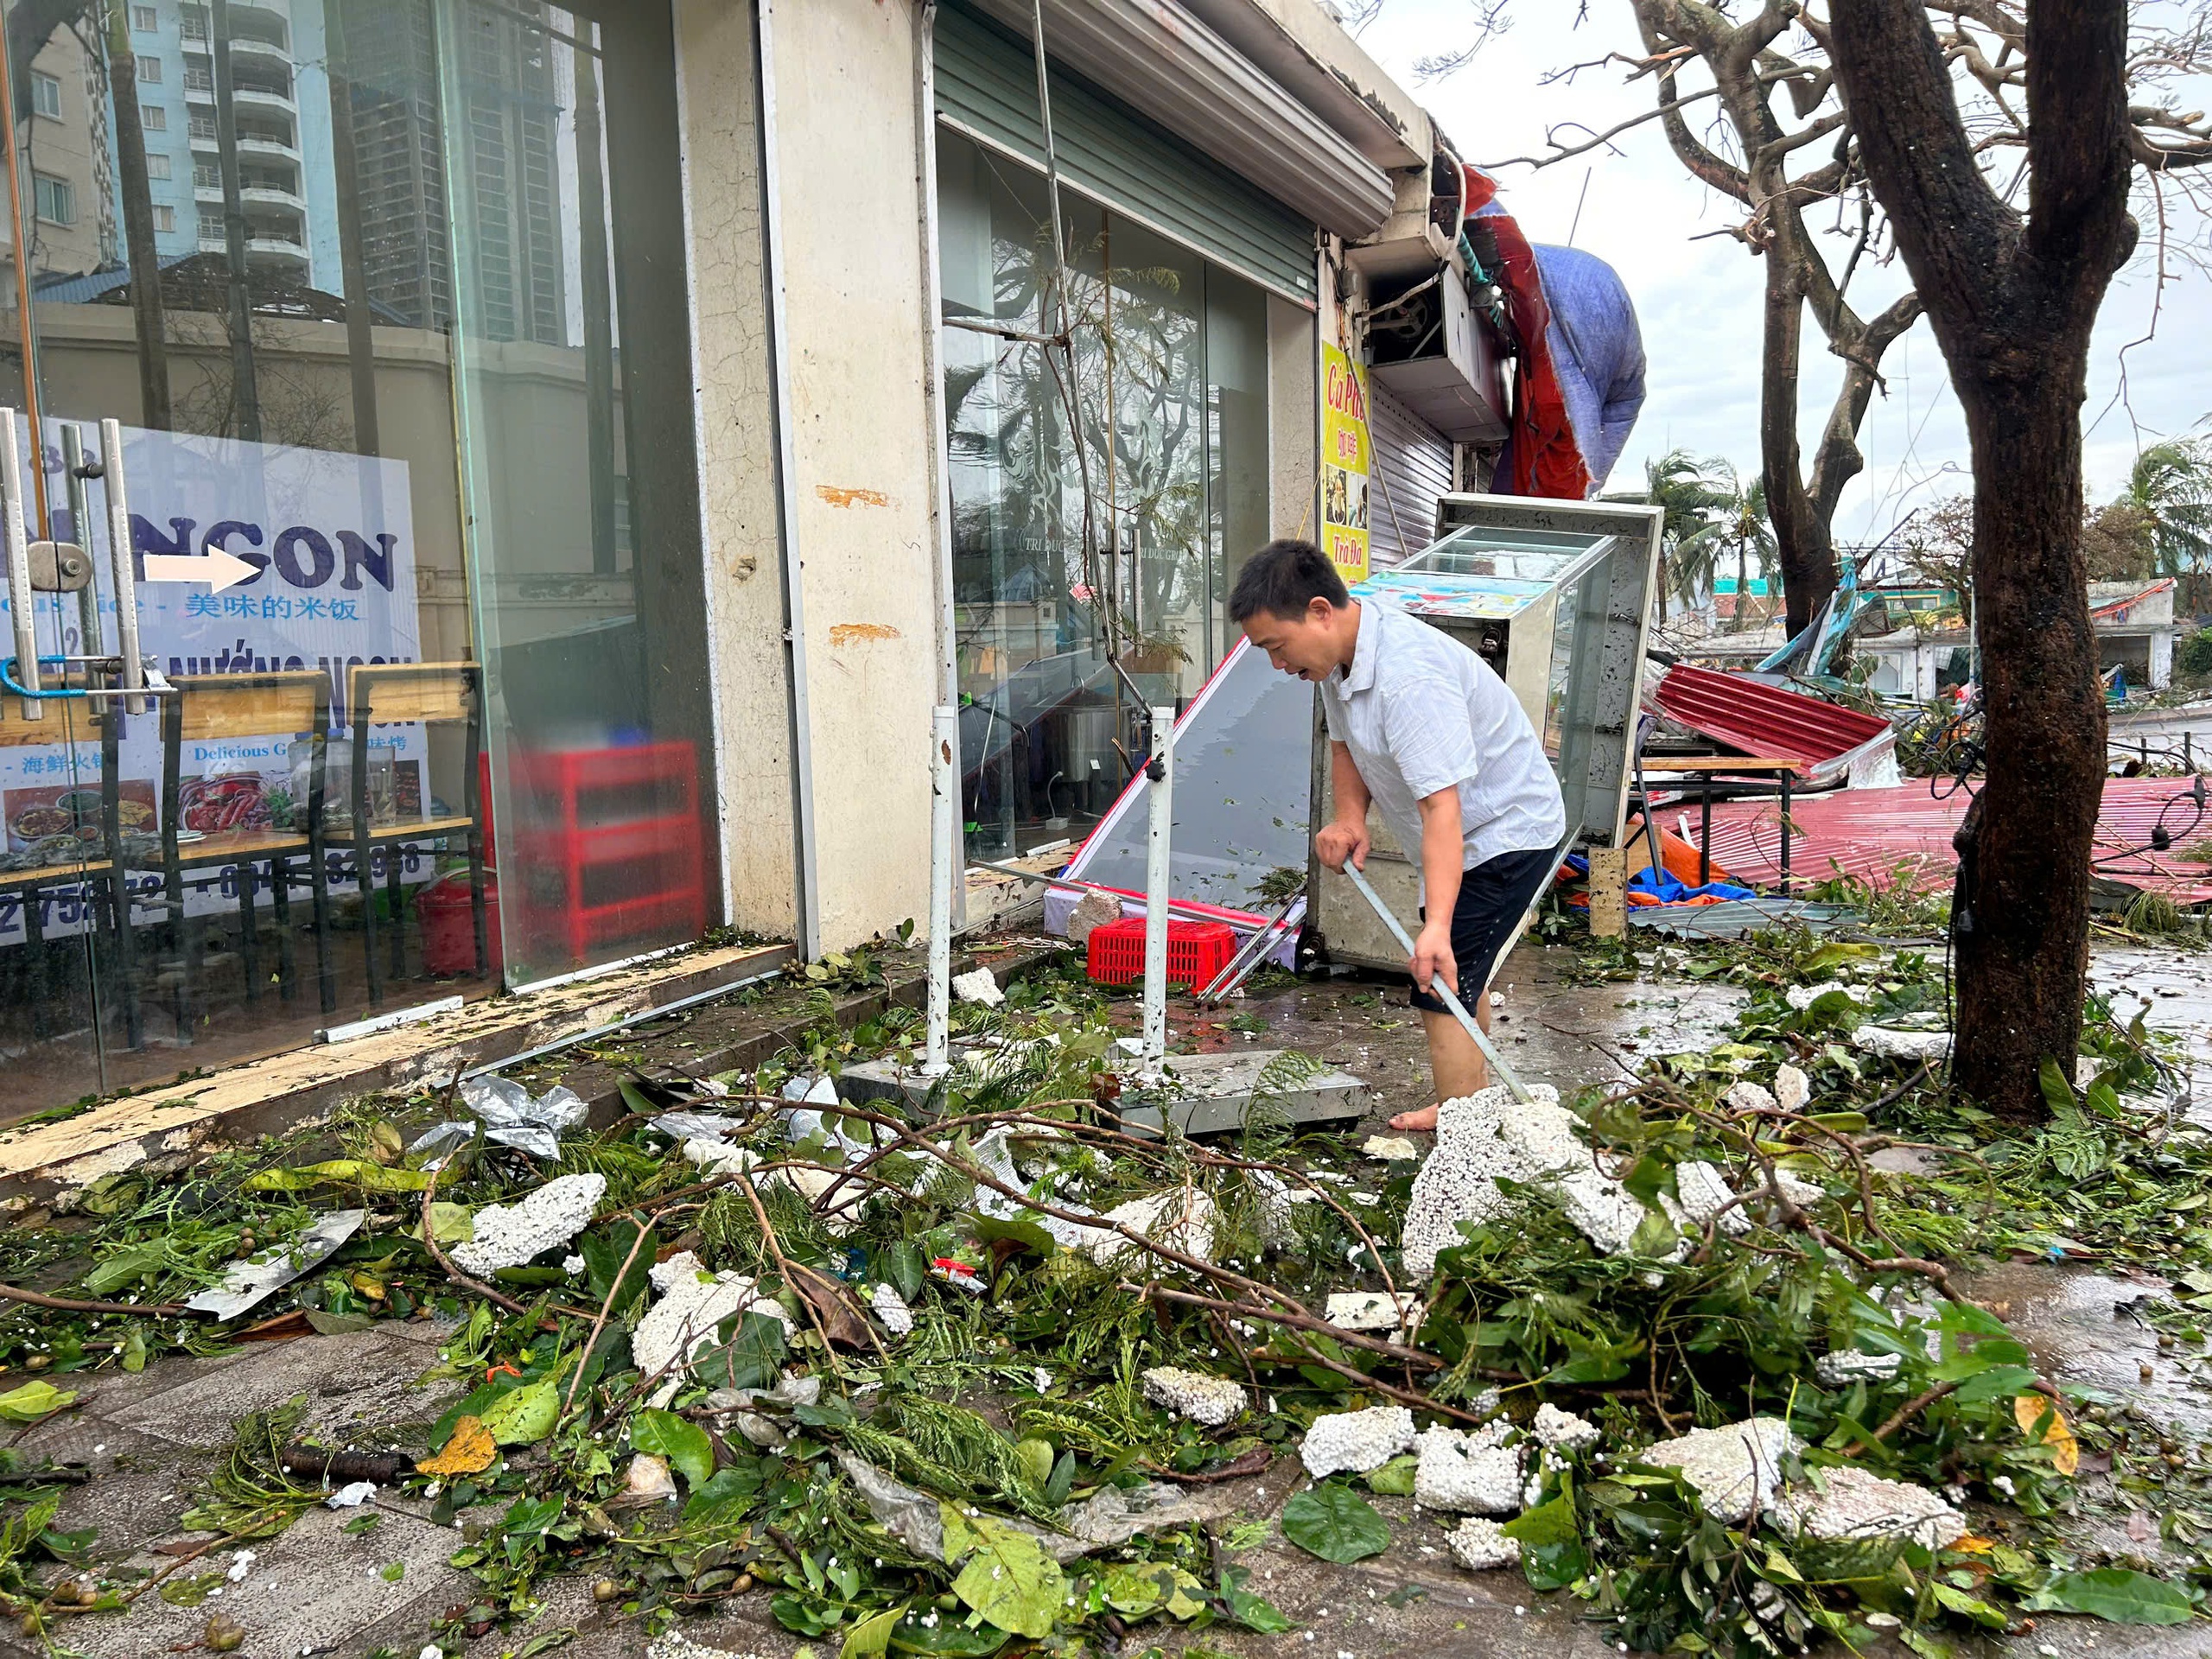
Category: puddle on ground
<point>2075,1320</point>
<point>2176,987</point>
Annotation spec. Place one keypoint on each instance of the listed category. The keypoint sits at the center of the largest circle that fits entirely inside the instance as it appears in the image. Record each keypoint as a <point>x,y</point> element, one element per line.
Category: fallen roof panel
<point>1764,720</point>
<point>1902,836</point>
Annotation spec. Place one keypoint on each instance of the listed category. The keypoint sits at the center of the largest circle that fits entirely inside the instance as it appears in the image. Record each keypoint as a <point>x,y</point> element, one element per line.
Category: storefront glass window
<point>1130,536</point>
<point>387,298</point>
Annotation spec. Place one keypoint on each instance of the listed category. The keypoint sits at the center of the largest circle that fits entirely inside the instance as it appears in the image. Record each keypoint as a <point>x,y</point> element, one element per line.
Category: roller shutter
<point>1413,467</point>
<point>987,88</point>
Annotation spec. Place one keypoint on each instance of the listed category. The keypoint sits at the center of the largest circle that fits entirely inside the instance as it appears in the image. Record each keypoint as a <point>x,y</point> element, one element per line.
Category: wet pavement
<point>2175,987</point>
<point>1549,1027</point>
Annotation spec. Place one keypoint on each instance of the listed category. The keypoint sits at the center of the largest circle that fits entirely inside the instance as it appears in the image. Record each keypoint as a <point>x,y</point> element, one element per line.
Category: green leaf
<point>1972,1607</point>
<point>32,1401</point>
<point>752,1358</point>
<point>369,1176</point>
<point>1335,1523</point>
<point>871,1637</point>
<point>682,1442</point>
<point>525,1416</point>
<point>2115,1593</point>
<point>2058,1091</point>
<point>452,1223</point>
<point>1253,1613</point>
<point>1008,1579</point>
<point>1395,1478</point>
<point>392,1572</point>
<point>947,1637</point>
<point>124,1266</point>
<point>906,1267</point>
<point>1017,1229</point>
<point>1547,1523</point>
<point>1139,1589</point>
<point>604,1253</point>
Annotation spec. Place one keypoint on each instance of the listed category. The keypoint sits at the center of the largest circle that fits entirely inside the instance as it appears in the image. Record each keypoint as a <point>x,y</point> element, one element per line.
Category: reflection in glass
<point>387,295</point>
<point>1168,389</point>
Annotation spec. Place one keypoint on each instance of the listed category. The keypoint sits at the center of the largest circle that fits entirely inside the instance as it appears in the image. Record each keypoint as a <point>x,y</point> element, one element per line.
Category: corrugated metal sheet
<point>1903,836</point>
<point>1762,719</point>
<point>1413,467</point>
<point>987,86</point>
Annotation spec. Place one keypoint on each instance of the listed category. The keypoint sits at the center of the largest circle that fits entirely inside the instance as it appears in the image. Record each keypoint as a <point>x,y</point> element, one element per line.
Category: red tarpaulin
<point>1903,834</point>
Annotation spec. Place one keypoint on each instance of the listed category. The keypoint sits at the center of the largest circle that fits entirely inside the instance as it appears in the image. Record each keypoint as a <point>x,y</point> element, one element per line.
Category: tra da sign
<point>1345,462</point>
<point>331,543</point>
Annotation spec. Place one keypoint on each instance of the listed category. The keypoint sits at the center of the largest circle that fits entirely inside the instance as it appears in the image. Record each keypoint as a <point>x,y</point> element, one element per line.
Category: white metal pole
<point>1162,771</point>
<point>944,870</point>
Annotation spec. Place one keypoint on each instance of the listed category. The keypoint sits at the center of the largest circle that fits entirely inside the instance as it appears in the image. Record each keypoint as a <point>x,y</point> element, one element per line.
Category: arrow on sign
<point>217,568</point>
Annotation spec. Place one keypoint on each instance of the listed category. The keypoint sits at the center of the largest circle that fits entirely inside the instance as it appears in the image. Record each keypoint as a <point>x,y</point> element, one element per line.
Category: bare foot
<point>1423,1119</point>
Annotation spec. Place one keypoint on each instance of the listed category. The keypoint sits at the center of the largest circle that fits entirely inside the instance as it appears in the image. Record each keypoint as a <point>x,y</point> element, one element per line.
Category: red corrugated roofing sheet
<point>1903,836</point>
<point>1762,719</point>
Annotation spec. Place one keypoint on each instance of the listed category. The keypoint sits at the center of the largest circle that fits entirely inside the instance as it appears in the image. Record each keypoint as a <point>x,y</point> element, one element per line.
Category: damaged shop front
<point>547,536</point>
<point>358,328</point>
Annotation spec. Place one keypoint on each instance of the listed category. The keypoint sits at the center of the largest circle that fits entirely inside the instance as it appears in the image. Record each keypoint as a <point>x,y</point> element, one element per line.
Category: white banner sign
<point>329,546</point>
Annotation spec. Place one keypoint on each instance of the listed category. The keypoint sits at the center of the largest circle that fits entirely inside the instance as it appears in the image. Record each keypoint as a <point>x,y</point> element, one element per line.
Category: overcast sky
<point>1700,300</point>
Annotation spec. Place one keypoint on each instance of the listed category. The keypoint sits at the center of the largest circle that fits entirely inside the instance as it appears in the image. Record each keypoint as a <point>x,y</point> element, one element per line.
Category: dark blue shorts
<point>1493,898</point>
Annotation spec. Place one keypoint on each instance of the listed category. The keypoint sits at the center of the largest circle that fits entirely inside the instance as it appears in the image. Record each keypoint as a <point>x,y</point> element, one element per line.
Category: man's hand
<point>1433,956</point>
<point>1340,842</point>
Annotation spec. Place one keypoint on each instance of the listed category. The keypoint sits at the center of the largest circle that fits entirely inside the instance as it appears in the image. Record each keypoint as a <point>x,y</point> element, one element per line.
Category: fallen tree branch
<point>71,1304</point>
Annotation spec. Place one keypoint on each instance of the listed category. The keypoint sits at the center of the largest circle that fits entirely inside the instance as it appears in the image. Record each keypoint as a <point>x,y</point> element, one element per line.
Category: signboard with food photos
<point>330,538</point>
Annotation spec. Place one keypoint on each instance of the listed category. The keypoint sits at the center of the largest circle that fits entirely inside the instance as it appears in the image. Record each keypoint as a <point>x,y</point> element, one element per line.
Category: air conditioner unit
<point>1430,347</point>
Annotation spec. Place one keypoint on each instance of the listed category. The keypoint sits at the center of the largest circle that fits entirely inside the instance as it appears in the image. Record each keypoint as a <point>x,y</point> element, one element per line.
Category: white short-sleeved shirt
<point>1420,712</point>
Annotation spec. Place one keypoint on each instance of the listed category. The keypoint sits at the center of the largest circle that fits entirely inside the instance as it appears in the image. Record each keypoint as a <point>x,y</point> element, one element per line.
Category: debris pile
<point>995,1364</point>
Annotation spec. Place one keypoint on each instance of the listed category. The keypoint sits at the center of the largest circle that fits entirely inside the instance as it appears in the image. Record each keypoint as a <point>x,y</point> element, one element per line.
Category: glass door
<point>368,317</point>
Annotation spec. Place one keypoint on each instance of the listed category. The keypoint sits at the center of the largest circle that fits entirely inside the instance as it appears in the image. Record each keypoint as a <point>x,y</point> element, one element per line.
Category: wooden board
<point>249,705</point>
<point>1608,891</point>
<point>411,691</point>
<point>1718,763</point>
<point>51,874</point>
<point>416,831</point>
<point>69,723</point>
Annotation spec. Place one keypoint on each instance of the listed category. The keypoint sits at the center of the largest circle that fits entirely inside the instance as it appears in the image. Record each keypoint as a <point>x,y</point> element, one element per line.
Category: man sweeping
<point>1423,728</point>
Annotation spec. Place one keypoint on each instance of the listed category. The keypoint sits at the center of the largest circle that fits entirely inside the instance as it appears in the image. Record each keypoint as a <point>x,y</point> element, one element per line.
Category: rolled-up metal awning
<point>1155,55</point>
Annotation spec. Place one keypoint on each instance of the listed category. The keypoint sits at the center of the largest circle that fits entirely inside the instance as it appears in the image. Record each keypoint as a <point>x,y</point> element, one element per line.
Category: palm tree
<point>1737,524</point>
<point>1676,482</point>
<point>2170,487</point>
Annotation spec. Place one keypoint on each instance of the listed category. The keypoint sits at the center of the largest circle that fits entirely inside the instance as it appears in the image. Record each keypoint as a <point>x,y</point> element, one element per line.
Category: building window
<point>199,78</point>
<point>1189,381</point>
<point>56,199</point>
<point>206,175</point>
<point>46,93</point>
<point>149,71</point>
<point>157,166</point>
<point>203,129</point>
<point>152,118</point>
<point>195,23</point>
<point>164,218</point>
<point>143,20</point>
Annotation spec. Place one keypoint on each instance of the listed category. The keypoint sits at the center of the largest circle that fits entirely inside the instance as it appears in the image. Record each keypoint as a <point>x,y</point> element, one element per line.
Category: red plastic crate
<point>1196,951</point>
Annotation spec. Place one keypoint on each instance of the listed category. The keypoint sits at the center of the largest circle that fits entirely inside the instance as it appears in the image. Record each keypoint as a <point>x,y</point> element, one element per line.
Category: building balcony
<point>261,98</point>
<point>210,197</point>
<point>245,49</point>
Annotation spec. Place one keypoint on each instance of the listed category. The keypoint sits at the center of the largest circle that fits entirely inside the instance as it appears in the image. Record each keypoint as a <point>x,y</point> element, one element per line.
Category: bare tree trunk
<point>1807,566</point>
<point>139,252</point>
<point>2013,302</point>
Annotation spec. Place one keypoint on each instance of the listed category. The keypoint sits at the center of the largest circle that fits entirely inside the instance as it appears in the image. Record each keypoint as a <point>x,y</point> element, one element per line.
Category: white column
<point>1156,888</point>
